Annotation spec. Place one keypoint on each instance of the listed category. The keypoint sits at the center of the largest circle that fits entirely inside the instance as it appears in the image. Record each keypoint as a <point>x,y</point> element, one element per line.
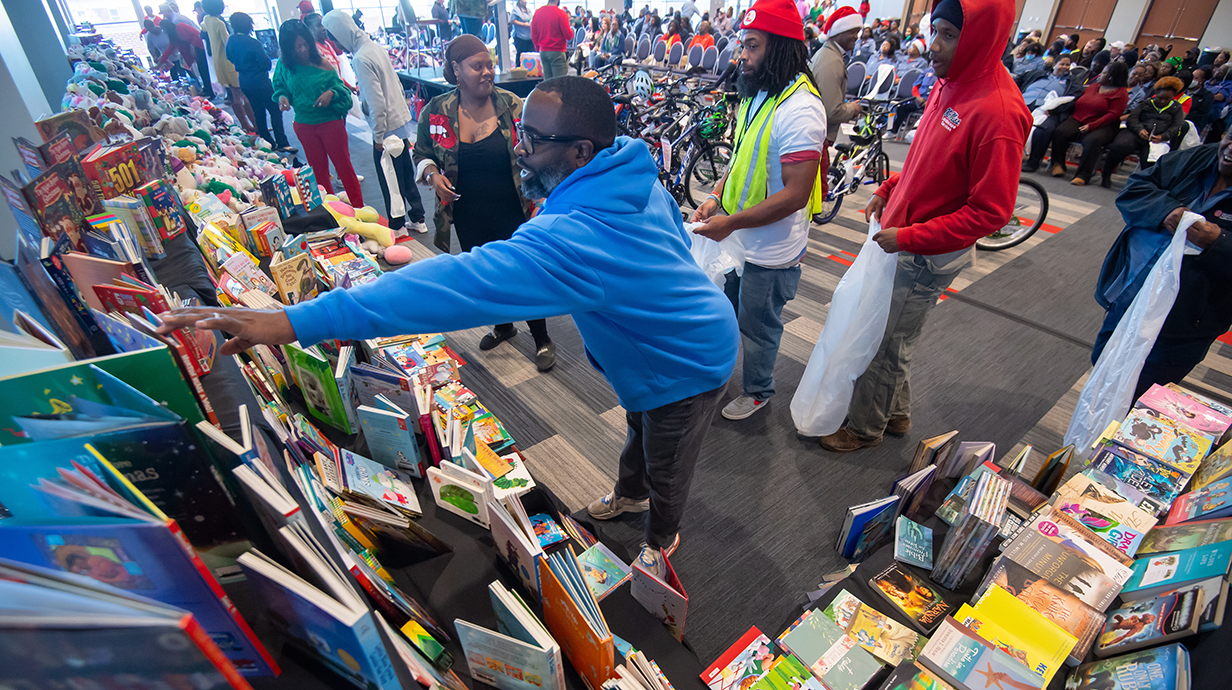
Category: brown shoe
<point>1078,181</point>
<point>1058,171</point>
<point>899,426</point>
<point>843,441</point>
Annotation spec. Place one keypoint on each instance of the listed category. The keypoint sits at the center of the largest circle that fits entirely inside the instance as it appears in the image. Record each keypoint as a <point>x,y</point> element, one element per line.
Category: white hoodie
<point>379,86</point>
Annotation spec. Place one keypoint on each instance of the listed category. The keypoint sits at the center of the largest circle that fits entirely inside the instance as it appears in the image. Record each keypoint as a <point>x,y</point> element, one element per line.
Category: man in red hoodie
<point>550,31</point>
<point>959,183</point>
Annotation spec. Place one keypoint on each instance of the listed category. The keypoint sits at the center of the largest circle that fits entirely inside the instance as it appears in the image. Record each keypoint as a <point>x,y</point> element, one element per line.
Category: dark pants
<point>1170,360</point>
<point>522,45</point>
<point>1092,142</point>
<point>903,112</point>
<point>538,330</point>
<point>262,100</point>
<point>1125,144</point>
<point>404,170</point>
<point>661,450</point>
<point>203,66</point>
<point>1041,136</point>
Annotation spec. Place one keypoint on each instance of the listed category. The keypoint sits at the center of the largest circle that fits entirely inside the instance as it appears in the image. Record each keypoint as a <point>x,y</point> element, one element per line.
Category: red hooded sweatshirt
<point>960,180</point>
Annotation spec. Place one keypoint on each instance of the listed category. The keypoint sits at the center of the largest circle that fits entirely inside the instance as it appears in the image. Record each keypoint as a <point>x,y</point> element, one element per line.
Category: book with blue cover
<point>1158,668</point>
<point>521,656</point>
<point>964,659</point>
<point>390,432</point>
<point>867,522</point>
<point>380,483</point>
<point>913,543</point>
<point>1213,501</point>
<point>1161,572</point>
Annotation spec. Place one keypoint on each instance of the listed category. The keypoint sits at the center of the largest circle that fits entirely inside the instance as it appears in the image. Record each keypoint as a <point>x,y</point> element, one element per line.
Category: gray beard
<point>544,182</point>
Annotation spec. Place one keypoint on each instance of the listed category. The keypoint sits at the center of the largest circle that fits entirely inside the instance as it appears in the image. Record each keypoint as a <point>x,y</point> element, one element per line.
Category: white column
<point>1219,29</point>
<point>1126,17</point>
<point>22,101</point>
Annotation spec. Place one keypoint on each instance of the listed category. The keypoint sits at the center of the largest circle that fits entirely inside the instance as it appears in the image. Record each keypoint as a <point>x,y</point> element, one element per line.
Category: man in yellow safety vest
<point>772,187</point>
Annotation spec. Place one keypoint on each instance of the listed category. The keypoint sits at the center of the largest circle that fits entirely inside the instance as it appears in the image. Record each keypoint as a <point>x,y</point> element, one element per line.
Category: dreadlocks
<point>784,60</point>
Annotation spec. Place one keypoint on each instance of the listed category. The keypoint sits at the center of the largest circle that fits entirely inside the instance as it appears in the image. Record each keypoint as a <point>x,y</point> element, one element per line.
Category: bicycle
<point>691,176</point>
<point>858,163</point>
<point>1030,210</point>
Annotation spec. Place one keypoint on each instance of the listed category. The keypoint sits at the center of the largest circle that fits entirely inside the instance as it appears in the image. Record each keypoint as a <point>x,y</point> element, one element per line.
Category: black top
<point>489,207</point>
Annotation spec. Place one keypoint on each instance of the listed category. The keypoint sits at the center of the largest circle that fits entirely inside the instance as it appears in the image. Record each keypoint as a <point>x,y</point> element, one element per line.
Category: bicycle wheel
<point>1030,210</point>
<point>708,166</point>
<point>831,203</point>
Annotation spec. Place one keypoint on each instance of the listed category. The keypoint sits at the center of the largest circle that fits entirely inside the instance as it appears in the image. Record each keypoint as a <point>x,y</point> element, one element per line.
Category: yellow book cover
<point>1044,643</point>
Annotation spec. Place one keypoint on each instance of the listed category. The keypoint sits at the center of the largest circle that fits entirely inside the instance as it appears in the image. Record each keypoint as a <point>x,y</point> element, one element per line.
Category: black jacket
<point>1201,107</point>
<point>1166,123</point>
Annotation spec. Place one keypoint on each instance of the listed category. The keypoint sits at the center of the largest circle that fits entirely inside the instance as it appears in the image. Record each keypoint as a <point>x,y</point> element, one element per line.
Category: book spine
<point>394,614</point>
<point>216,588</point>
<point>373,646</point>
<point>194,380</point>
<point>206,644</point>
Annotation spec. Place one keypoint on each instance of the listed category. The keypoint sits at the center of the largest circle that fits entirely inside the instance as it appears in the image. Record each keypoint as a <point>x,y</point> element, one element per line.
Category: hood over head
<point>344,30</point>
<point>619,179</point>
<point>986,27</point>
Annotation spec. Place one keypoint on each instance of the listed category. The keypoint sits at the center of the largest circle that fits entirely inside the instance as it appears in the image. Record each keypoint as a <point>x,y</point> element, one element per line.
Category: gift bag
<point>1109,390</point>
<point>853,331</point>
<point>716,259</point>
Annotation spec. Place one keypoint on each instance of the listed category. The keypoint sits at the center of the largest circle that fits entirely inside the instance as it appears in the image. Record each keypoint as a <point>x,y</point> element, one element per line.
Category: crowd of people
<point>543,189</point>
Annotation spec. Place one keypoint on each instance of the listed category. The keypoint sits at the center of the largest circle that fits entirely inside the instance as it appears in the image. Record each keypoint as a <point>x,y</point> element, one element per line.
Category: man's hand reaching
<point>247,327</point>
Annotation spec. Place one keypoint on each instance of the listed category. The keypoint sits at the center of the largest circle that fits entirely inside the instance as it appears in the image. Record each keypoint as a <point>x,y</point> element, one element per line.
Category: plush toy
<point>398,255</point>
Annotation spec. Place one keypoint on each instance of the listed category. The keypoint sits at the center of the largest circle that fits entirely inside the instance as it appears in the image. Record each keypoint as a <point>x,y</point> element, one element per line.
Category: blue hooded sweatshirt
<point>608,247</point>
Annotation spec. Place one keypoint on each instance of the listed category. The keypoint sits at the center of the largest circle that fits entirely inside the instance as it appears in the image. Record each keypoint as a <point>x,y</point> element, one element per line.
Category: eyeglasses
<point>527,140</point>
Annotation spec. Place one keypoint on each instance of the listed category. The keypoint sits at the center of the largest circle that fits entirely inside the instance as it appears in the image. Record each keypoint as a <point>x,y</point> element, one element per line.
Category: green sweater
<point>304,85</point>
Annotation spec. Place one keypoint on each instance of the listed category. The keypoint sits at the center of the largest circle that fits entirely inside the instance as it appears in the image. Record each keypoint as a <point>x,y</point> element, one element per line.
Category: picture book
<point>520,550</point>
<point>912,596</point>
<point>1186,535</point>
<point>461,492</point>
<point>604,572</point>
<point>1214,593</point>
<point>1133,495</point>
<point>62,614</point>
<point>295,277</point>
<point>1216,466</point>
<point>55,208</point>
<point>1152,477</point>
<point>1105,513</point>
<point>1214,501</point>
<point>787,673</point>
<point>934,451</point>
<point>964,659</point>
<point>30,156</point>
<point>76,123</point>
<point>390,432</point>
<point>546,530</point>
<point>910,675</point>
<point>369,381</point>
<point>1160,572</point>
<point>1157,668</point>
<point>1063,609</point>
<point>665,599</point>
<point>1185,410</point>
<point>1023,633</point>
<point>573,618</point>
<point>913,543</point>
<point>1148,622</point>
<point>742,664</point>
<point>315,376</point>
<point>378,482</point>
<point>161,202</point>
<point>334,628</point>
<point>521,656</point>
<point>867,522</point>
<point>883,637</point>
<point>833,656</point>
<point>1163,438</point>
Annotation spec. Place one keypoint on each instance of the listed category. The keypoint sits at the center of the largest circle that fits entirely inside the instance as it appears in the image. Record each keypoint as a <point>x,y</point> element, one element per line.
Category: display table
<point>431,82</point>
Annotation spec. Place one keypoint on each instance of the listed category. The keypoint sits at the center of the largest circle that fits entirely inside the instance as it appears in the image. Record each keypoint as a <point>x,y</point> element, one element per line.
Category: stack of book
<point>972,533</point>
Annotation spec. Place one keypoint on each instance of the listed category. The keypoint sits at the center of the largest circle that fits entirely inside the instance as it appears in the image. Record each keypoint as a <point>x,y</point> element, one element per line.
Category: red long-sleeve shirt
<point>1097,110</point>
<point>550,29</point>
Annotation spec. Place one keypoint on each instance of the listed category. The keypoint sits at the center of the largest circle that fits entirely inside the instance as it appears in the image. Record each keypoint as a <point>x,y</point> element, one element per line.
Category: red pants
<point>328,142</point>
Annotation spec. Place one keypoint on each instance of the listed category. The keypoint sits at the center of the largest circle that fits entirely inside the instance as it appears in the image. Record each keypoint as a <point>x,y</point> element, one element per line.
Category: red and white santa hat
<point>778,17</point>
<point>843,19</point>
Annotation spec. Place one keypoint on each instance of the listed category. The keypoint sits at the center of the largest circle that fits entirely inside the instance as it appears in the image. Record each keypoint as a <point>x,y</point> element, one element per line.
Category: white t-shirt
<point>799,125</point>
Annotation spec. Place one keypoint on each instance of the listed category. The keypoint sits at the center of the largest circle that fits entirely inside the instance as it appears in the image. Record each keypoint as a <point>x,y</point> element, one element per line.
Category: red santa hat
<point>843,19</point>
<point>778,17</point>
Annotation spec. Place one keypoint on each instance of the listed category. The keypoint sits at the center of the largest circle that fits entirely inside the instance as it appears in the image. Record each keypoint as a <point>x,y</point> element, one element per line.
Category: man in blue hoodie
<point>607,247</point>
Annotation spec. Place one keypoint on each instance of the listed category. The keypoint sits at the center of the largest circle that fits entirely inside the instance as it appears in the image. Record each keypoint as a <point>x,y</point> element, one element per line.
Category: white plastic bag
<point>1155,149</point>
<point>1192,138</point>
<point>853,330</point>
<point>717,259</point>
<point>1109,390</point>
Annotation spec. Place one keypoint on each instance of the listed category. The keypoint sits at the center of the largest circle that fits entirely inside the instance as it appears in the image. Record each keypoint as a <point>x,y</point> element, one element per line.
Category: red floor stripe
<point>843,251</point>
<point>839,259</point>
<point>1225,338</point>
<point>1046,227</point>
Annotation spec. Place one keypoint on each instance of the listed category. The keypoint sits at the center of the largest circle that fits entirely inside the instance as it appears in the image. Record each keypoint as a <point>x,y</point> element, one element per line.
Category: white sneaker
<point>743,407</point>
<point>670,548</point>
<point>651,560</point>
<point>609,506</point>
<point>418,226</point>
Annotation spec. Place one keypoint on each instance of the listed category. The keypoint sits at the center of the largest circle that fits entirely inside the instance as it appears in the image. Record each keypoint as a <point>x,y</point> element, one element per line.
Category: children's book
<point>913,543</point>
<point>520,550</point>
<point>910,675</point>
<point>1161,572</point>
<point>1216,466</point>
<point>1185,410</point>
<point>787,673</point>
<point>1063,609</point>
<point>31,348</point>
<point>316,381</point>
<point>1158,668</point>
<point>1135,496</point>
<point>546,530</point>
<point>912,596</point>
<point>1186,535</point>
<point>1215,594</point>
<point>372,479</point>
<point>867,521</point>
<point>1214,501</point>
<point>603,570</point>
<point>834,657</point>
<point>521,656</point>
<point>665,599</point>
<point>573,617</point>
<point>461,492</point>
<point>883,637</point>
<point>295,277</point>
<point>742,664</point>
<point>390,432</point>
<point>1104,512</point>
<point>1163,438</point>
<point>964,659</point>
<point>1024,633</point>
<point>1148,622</point>
<point>1152,477</point>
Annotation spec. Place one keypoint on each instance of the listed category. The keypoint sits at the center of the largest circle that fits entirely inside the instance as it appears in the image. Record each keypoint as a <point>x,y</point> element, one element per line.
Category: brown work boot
<point>843,441</point>
<point>899,426</point>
